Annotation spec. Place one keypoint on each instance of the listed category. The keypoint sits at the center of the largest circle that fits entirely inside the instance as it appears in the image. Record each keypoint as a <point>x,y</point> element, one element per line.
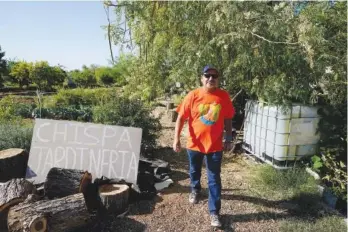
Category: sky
<point>61,32</point>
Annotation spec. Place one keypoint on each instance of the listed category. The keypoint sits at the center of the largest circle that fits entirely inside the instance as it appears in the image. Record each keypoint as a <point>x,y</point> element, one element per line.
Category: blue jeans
<point>213,164</point>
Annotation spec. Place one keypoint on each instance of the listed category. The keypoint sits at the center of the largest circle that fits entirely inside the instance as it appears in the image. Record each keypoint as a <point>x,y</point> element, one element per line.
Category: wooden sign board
<point>102,150</point>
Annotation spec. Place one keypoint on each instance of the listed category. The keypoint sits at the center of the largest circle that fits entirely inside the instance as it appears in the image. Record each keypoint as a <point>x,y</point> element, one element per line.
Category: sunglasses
<point>208,75</point>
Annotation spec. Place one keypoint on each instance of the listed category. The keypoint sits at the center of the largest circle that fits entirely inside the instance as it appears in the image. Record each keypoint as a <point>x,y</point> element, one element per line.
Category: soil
<point>171,211</point>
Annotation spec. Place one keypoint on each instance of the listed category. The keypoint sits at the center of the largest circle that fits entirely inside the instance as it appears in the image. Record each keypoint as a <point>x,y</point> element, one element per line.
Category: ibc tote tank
<point>280,136</point>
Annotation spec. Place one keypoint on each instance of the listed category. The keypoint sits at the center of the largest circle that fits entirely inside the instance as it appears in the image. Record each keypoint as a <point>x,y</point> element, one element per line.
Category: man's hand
<point>177,146</point>
<point>228,146</point>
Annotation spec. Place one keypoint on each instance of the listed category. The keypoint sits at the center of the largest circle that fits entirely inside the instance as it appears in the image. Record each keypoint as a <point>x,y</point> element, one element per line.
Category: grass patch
<point>326,224</point>
<point>282,184</point>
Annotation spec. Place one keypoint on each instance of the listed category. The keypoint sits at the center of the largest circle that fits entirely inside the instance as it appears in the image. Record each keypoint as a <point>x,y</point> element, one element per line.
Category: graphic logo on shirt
<point>209,113</point>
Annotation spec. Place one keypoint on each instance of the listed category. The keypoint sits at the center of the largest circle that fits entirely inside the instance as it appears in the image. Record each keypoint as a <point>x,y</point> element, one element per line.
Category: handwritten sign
<point>103,150</point>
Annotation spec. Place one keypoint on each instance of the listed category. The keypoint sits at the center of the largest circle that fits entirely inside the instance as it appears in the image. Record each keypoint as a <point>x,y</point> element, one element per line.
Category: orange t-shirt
<point>206,112</point>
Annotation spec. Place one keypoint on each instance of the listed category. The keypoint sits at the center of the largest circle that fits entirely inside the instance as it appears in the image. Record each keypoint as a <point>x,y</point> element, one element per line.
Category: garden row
<point>103,105</point>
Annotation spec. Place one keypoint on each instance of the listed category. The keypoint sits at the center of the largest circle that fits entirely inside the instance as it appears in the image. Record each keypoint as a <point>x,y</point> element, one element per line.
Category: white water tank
<point>278,135</point>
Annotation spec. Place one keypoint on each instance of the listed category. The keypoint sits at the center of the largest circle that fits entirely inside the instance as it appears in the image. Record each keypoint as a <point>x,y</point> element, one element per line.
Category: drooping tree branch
<point>270,41</point>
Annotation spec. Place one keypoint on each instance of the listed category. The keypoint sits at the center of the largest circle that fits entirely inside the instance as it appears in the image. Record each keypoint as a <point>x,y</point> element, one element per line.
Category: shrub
<point>15,136</point>
<point>82,113</point>
<point>7,109</point>
<point>77,97</point>
<point>24,110</point>
<point>132,113</point>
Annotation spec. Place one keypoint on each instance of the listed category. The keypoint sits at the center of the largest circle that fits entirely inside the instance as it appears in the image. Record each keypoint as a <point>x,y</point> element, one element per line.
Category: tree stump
<point>114,197</point>
<point>13,164</point>
<point>58,215</point>
<point>64,182</point>
<point>14,192</point>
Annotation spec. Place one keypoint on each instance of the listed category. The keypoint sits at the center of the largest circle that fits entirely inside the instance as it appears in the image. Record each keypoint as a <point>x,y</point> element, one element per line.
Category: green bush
<point>15,136</point>
<point>132,113</point>
<point>24,110</point>
<point>77,97</point>
<point>8,109</point>
<point>82,113</point>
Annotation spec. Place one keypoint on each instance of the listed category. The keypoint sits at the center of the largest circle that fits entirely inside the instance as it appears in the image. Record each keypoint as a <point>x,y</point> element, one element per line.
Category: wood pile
<point>68,199</point>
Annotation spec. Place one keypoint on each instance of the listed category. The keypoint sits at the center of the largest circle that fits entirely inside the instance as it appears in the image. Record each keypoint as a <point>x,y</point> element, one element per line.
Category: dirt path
<point>171,211</point>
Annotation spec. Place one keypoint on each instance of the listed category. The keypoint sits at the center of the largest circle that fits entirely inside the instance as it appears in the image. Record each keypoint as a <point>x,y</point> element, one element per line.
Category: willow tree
<point>278,52</point>
<point>264,48</point>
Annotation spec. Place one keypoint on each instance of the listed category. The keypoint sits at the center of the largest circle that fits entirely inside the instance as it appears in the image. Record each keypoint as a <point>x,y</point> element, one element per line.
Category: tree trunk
<point>13,164</point>
<point>64,182</point>
<point>57,215</point>
<point>114,197</point>
<point>14,192</point>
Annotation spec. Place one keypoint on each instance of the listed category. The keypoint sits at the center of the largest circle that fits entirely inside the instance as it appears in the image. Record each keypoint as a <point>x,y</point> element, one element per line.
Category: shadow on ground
<point>111,223</point>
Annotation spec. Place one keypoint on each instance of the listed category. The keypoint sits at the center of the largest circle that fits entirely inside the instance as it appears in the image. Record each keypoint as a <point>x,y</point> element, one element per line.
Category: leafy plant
<point>132,113</point>
<point>83,113</point>
<point>15,135</point>
<point>333,173</point>
<point>78,97</point>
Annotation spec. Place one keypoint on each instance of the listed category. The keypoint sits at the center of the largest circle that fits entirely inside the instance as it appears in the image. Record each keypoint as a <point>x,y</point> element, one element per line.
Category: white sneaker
<point>215,220</point>
<point>193,198</point>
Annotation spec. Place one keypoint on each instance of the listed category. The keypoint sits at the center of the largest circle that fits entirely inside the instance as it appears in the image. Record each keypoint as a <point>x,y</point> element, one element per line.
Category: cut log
<point>14,192</point>
<point>114,197</point>
<point>63,214</point>
<point>13,164</point>
<point>64,182</point>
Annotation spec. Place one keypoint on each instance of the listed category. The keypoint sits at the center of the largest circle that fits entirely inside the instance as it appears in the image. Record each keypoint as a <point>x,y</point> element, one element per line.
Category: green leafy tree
<point>104,76</point>
<point>85,77</point>
<point>20,72</point>
<point>46,77</point>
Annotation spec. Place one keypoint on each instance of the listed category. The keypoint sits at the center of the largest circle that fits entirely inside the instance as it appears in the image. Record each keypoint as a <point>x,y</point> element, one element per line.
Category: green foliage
<point>132,113</point>
<point>79,96</point>
<point>24,110</point>
<point>83,113</point>
<point>84,78</point>
<point>8,109</point>
<point>3,67</point>
<point>20,72</point>
<point>45,76</point>
<point>280,184</point>
<point>325,224</point>
<point>333,172</point>
<point>15,135</point>
<point>104,76</point>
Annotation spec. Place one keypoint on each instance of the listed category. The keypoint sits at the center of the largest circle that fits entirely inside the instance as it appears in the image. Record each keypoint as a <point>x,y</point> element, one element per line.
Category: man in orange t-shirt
<point>209,111</point>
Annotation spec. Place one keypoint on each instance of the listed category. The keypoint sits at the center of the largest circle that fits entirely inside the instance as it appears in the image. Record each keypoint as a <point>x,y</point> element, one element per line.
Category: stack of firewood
<point>66,200</point>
